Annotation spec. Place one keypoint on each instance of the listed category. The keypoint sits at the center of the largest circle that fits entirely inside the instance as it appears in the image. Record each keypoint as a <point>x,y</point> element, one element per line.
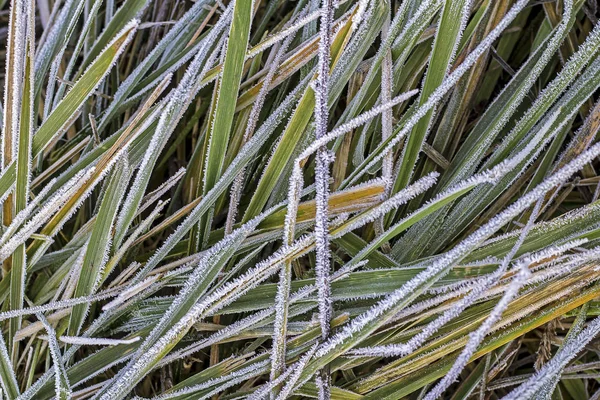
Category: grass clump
<point>309,199</point>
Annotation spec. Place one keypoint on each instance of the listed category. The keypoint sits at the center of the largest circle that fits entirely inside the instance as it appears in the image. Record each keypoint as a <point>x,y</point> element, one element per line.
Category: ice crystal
<point>87,341</point>
<point>557,363</point>
<point>62,385</point>
<point>439,266</point>
<point>251,127</point>
<point>172,112</point>
<point>50,207</point>
<point>448,83</point>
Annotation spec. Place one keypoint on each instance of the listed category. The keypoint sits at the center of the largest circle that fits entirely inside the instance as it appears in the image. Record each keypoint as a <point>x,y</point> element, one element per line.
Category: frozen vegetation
<point>332,199</point>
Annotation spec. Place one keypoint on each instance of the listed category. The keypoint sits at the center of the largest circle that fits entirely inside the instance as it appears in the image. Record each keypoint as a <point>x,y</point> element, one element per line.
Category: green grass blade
<point>444,48</point>
<point>23,176</point>
<point>99,244</point>
<point>82,89</point>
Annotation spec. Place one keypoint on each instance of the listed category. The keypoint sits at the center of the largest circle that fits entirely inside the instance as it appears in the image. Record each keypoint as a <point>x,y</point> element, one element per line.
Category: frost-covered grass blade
<point>337,199</point>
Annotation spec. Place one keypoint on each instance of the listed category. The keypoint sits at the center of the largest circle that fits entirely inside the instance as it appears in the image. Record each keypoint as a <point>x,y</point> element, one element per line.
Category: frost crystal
<point>257,106</point>
<point>367,321</point>
<point>86,341</point>
<point>290,376</point>
<point>447,84</point>
<point>231,379</point>
<point>58,304</point>
<point>323,159</point>
<point>62,195</point>
<point>477,337</point>
<point>62,385</point>
<point>173,111</point>
<point>568,352</point>
<point>15,72</point>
